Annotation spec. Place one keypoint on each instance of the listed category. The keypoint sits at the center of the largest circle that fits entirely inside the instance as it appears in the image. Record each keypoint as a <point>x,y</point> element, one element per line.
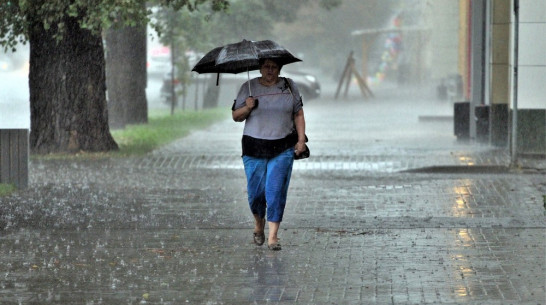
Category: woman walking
<point>274,133</point>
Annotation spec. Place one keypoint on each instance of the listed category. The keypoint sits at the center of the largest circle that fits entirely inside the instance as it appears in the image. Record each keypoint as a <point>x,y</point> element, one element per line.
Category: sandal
<point>274,246</point>
<point>259,238</point>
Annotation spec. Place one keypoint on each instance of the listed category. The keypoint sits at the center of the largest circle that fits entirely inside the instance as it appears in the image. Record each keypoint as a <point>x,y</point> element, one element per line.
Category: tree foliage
<point>201,29</point>
<point>94,15</point>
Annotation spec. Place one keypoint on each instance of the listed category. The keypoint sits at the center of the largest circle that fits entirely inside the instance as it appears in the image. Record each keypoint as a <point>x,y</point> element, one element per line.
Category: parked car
<point>308,84</point>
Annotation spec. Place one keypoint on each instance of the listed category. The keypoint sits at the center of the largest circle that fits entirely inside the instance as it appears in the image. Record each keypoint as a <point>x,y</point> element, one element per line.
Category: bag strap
<point>287,82</point>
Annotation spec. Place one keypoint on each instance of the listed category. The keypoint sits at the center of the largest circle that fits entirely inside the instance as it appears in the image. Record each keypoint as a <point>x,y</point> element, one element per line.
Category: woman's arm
<point>299,121</point>
<point>242,113</point>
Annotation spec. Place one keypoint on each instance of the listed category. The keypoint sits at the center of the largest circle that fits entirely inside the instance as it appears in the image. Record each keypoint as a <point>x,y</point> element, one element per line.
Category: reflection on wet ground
<point>178,266</point>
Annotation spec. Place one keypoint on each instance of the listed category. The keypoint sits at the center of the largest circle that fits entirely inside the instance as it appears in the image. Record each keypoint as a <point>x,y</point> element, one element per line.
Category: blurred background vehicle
<point>159,61</point>
<point>307,83</point>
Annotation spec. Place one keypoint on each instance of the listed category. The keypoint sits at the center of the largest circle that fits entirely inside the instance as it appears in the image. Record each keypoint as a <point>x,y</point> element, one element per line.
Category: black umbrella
<point>243,56</point>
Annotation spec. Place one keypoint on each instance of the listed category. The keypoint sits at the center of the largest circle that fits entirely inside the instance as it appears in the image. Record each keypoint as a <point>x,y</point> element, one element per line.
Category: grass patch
<point>6,189</point>
<point>162,129</point>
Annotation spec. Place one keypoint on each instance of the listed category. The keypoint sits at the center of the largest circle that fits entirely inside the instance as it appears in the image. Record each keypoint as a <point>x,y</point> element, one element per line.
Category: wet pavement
<point>389,209</point>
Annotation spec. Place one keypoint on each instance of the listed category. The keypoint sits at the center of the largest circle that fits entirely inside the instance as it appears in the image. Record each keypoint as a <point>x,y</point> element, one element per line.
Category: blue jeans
<point>267,184</point>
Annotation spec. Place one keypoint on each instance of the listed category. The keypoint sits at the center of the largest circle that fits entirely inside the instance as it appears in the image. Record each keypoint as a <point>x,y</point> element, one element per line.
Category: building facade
<point>498,50</point>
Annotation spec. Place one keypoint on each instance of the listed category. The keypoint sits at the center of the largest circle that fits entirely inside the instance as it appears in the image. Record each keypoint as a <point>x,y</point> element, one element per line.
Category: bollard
<point>481,114</point>
<point>461,120</point>
<point>14,154</point>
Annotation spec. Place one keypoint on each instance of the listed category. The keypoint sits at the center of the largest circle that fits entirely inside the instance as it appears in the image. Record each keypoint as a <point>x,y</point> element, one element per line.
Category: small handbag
<point>303,155</point>
<point>306,153</point>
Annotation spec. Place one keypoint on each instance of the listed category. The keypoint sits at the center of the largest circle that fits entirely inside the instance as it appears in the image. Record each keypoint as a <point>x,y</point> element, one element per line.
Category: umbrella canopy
<point>243,56</point>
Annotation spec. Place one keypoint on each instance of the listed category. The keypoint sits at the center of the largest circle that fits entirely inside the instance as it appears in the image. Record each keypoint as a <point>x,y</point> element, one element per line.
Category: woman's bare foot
<point>273,240</point>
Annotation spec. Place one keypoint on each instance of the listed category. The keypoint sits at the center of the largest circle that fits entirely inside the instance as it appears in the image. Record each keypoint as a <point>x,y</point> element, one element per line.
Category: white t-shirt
<point>274,117</point>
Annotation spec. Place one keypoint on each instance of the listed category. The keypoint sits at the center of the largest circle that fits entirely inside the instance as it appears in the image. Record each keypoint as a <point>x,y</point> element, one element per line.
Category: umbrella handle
<point>217,79</point>
<point>248,77</point>
<point>255,102</point>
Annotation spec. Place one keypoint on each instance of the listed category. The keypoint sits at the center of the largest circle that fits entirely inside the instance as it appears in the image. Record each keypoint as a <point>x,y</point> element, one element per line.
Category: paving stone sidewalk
<point>386,211</point>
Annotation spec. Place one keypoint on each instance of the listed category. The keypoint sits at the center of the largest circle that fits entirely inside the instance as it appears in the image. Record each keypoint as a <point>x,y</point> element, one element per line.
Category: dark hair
<point>278,62</point>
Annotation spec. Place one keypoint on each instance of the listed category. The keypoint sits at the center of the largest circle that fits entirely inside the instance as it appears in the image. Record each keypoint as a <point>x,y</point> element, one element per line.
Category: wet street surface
<point>388,210</point>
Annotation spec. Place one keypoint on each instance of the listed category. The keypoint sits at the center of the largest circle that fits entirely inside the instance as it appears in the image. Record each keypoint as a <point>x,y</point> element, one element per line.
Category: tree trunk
<point>126,76</point>
<point>67,91</point>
